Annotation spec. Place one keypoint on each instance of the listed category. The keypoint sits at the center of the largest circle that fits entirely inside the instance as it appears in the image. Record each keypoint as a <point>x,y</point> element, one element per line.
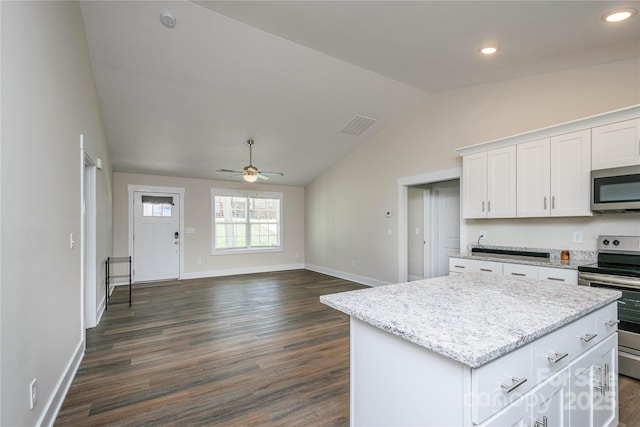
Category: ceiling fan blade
<point>261,176</point>
<point>273,173</point>
<point>229,171</point>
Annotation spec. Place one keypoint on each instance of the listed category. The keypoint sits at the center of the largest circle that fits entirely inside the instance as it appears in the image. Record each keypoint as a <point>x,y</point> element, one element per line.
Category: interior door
<point>447,205</point>
<point>442,227</point>
<point>156,236</point>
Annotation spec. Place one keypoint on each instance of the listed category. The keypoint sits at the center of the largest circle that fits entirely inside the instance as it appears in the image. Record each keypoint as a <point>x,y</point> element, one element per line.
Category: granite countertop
<point>472,318</point>
<point>516,259</point>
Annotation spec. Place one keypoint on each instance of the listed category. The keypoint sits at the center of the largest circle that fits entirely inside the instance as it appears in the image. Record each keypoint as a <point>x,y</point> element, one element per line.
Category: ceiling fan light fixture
<point>250,177</point>
<point>619,15</point>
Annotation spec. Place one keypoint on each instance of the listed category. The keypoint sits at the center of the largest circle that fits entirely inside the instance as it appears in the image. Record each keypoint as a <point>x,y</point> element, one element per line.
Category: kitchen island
<point>471,349</point>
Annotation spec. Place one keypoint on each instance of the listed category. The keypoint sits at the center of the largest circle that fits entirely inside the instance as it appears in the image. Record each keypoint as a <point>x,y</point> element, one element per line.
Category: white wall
<point>48,99</point>
<point>197,214</point>
<point>345,205</point>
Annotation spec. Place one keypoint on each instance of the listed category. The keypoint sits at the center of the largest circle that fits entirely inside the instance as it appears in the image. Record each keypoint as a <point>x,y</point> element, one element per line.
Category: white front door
<point>156,236</point>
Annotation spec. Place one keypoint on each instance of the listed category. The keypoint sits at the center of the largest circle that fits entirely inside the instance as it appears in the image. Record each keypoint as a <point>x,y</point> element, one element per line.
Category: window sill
<point>246,251</point>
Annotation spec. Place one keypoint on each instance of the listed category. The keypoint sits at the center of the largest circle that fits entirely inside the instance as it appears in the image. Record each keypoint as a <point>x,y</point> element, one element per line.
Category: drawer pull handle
<point>557,279</point>
<point>459,266</point>
<point>542,423</point>
<point>518,274</point>
<point>611,323</point>
<point>516,382</point>
<point>557,357</point>
<point>487,270</point>
<point>588,337</point>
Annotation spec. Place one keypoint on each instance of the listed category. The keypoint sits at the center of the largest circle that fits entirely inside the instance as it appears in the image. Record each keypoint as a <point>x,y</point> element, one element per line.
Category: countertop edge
<point>473,362</point>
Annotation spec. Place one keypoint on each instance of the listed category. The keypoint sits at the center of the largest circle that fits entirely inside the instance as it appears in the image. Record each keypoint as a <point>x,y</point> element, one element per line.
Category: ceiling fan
<point>250,173</point>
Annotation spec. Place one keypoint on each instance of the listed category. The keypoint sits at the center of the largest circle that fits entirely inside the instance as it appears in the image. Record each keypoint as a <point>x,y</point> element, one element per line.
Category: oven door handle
<point>622,282</point>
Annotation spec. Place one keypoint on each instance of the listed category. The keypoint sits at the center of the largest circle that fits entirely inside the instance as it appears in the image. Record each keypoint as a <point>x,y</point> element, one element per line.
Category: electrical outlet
<point>577,237</point>
<point>198,261</point>
<point>483,234</point>
<point>33,394</point>
<point>353,263</point>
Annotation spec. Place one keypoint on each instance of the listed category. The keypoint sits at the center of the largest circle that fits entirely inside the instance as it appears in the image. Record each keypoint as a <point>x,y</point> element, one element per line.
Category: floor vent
<point>358,125</point>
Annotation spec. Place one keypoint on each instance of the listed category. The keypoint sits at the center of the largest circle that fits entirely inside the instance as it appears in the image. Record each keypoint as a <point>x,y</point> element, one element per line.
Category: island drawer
<point>607,321</point>
<point>500,382</point>
<point>555,351</point>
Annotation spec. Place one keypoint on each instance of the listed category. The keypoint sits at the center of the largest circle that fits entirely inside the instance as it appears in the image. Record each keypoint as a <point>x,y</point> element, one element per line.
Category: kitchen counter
<point>516,259</point>
<point>472,318</point>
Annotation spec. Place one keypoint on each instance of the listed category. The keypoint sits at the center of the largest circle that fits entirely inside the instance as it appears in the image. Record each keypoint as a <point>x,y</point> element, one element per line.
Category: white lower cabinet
<point>594,386</point>
<point>545,406</point>
<point>563,275</point>
<point>583,394</point>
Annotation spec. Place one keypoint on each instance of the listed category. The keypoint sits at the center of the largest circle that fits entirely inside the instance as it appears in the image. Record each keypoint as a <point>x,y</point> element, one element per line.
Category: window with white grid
<point>245,222</point>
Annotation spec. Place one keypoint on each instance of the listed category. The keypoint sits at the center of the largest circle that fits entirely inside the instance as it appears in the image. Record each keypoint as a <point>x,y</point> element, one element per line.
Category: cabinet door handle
<point>545,202</point>
<point>557,357</point>
<point>518,274</point>
<point>588,337</point>
<point>553,202</point>
<point>515,383</point>
<point>489,206</point>
<point>542,423</point>
<point>611,323</point>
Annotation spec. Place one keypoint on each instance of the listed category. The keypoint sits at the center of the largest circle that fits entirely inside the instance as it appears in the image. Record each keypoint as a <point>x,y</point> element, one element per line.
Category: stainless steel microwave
<point>616,189</point>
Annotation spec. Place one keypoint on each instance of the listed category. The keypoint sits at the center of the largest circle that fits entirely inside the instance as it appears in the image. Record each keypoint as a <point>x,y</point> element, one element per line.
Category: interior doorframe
<point>427,232</point>
<point>88,239</point>
<point>403,184</point>
<point>131,188</point>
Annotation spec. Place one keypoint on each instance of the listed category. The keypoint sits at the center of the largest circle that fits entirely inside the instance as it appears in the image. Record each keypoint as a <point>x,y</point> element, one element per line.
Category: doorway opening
<point>88,240</point>
<point>430,225</point>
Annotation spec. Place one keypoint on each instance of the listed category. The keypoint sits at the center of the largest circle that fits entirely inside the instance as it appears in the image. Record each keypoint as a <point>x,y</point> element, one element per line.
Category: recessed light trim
<point>489,50</point>
<point>619,15</point>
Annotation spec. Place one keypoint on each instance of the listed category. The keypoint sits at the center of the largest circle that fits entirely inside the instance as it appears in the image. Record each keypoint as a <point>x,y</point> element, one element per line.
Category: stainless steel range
<point>618,267</point>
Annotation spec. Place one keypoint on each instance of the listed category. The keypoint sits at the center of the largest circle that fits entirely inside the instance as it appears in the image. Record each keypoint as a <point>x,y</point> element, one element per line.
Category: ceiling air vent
<point>358,125</point>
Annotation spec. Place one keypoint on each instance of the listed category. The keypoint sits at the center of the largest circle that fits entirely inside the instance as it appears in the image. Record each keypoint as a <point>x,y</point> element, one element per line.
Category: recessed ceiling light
<point>619,15</point>
<point>489,50</point>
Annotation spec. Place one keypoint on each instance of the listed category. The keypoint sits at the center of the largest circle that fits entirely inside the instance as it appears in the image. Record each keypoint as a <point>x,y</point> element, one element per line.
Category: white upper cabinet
<point>571,174</point>
<point>533,189</point>
<point>553,176</point>
<point>489,184</point>
<point>616,144</point>
<point>501,183</point>
<point>474,182</point>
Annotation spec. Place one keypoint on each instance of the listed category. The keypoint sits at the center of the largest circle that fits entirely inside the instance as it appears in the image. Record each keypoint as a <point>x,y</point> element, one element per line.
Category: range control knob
<point>605,242</point>
<point>616,242</point>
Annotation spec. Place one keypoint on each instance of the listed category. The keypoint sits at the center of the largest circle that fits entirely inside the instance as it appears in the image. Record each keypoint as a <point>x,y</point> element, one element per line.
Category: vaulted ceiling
<point>291,75</point>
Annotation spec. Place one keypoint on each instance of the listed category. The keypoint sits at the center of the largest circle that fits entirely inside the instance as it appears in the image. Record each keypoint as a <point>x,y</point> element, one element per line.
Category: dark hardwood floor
<point>254,350</point>
<point>251,350</point>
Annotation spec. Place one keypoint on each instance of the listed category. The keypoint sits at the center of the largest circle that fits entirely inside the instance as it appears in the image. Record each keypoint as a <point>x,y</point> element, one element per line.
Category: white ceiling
<point>292,74</point>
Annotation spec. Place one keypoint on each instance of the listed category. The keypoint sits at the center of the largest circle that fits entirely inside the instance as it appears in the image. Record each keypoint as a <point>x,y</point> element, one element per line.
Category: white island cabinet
<point>481,350</point>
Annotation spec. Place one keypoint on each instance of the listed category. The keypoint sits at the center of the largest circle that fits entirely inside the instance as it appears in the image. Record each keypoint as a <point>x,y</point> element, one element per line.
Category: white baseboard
<point>346,276</point>
<point>245,270</point>
<point>54,403</point>
<point>413,277</point>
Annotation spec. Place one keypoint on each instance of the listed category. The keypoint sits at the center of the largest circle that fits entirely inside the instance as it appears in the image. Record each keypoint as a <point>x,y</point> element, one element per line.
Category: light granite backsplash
<point>574,255</point>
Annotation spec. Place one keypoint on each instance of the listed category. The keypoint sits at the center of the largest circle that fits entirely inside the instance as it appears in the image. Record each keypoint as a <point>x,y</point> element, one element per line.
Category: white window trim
<point>240,193</point>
